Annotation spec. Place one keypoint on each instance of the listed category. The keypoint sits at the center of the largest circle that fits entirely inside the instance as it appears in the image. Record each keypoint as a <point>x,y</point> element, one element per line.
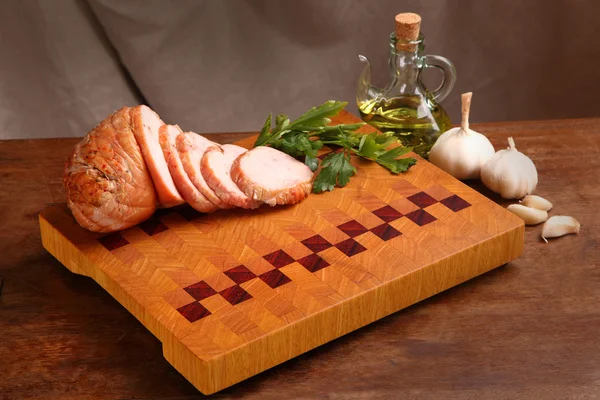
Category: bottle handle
<point>449,78</point>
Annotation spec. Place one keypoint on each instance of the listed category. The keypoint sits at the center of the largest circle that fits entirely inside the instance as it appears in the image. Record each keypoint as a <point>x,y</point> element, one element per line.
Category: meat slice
<point>146,125</point>
<point>271,176</point>
<point>167,138</point>
<point>107,183</point>
<point>191,147</point>
<point>216,166</point>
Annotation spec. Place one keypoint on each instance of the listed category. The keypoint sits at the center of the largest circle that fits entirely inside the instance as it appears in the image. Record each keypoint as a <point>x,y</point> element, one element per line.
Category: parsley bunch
<point>304,137</point>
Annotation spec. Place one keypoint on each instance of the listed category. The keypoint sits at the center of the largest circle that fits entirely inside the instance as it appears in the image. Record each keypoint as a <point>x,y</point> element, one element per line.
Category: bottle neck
<point>406,52</point>
<point>404,62</point>
<point>400,60</point>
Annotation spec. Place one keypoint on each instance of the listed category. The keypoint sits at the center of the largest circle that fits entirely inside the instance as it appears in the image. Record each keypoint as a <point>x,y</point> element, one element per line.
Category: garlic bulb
<point>510,173</point>
<point>461,151</point>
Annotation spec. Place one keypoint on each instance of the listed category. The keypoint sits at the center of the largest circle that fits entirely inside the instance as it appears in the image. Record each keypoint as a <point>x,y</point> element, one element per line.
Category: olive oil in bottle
<point>415,122</point>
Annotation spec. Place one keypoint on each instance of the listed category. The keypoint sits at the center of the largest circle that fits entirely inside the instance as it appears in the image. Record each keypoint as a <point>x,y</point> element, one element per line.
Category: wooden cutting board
<point>233,293</point>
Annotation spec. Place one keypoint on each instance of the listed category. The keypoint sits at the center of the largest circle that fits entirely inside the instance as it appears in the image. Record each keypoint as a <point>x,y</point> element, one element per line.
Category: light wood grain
<point>148,275</point>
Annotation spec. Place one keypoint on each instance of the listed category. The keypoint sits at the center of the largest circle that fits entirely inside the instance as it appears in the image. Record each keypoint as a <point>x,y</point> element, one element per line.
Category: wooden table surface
<point>530,329</point>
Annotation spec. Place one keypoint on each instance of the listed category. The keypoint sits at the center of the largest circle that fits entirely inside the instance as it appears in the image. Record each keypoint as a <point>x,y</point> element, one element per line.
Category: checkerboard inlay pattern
<point>313,262</point>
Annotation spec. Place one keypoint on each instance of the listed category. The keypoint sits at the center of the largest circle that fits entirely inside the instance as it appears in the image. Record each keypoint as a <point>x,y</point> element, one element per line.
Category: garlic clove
<point>537,202</point>
<point>560,225</point>
<point>530,216</point>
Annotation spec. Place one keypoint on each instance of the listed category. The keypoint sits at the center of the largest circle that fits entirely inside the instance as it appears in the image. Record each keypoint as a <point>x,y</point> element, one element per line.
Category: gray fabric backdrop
<point>216,66</point>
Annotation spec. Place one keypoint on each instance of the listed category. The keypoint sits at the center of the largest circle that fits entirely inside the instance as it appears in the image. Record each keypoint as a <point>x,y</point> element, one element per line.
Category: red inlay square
<point>350,247</point>
<point>388,213</point>
<point>274,278</point>
<point>235,295</point>
<point>422,199</point>
<point>421,217</point>
<point>386,231</point>
<point>352,228</point>
<point>279,258</point>
<point>200,290</point>
<point>455,203</point>
<point>313,262</point>
<point>153,226</point>
<point>316,243</point>
<point>240,274</point>
<point>161,212</point>
<point>194,311</point>
<point>188,213</point>
<point>113,241</point>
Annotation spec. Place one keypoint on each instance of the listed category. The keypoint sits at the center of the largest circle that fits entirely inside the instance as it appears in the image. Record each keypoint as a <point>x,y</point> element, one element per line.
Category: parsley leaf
<point>266,137</point>
<point>340,138</point>
<point>317,117</point>
<point>336,170</point>
<point>280,118</point>
<point>369,148</point>
<point>346,171</point>
<point>374,148</point>
<point>298,144</point>
<point>264,132</point>
<point>397,166</point>
<point>394,153</point>
<point>312,163</point>
<point>386,138</point>
<point>390,160</point>
<point>328,128</point>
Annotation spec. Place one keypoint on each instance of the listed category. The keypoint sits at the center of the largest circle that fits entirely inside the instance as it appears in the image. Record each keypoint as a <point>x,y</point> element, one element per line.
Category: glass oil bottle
<point>405,106</point>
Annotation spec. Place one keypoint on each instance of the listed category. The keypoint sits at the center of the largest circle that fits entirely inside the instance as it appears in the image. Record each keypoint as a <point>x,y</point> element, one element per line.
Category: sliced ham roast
<point>132,163</point>
<point>271,176</point>
<point>146,125</point>
<point>191,147</point>
<point>107,183</point>
<point>216,166</point>
<point>167,139</point>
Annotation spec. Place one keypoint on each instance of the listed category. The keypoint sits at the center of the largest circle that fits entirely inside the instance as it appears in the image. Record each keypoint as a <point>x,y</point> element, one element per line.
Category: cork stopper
<point>407,30</point>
